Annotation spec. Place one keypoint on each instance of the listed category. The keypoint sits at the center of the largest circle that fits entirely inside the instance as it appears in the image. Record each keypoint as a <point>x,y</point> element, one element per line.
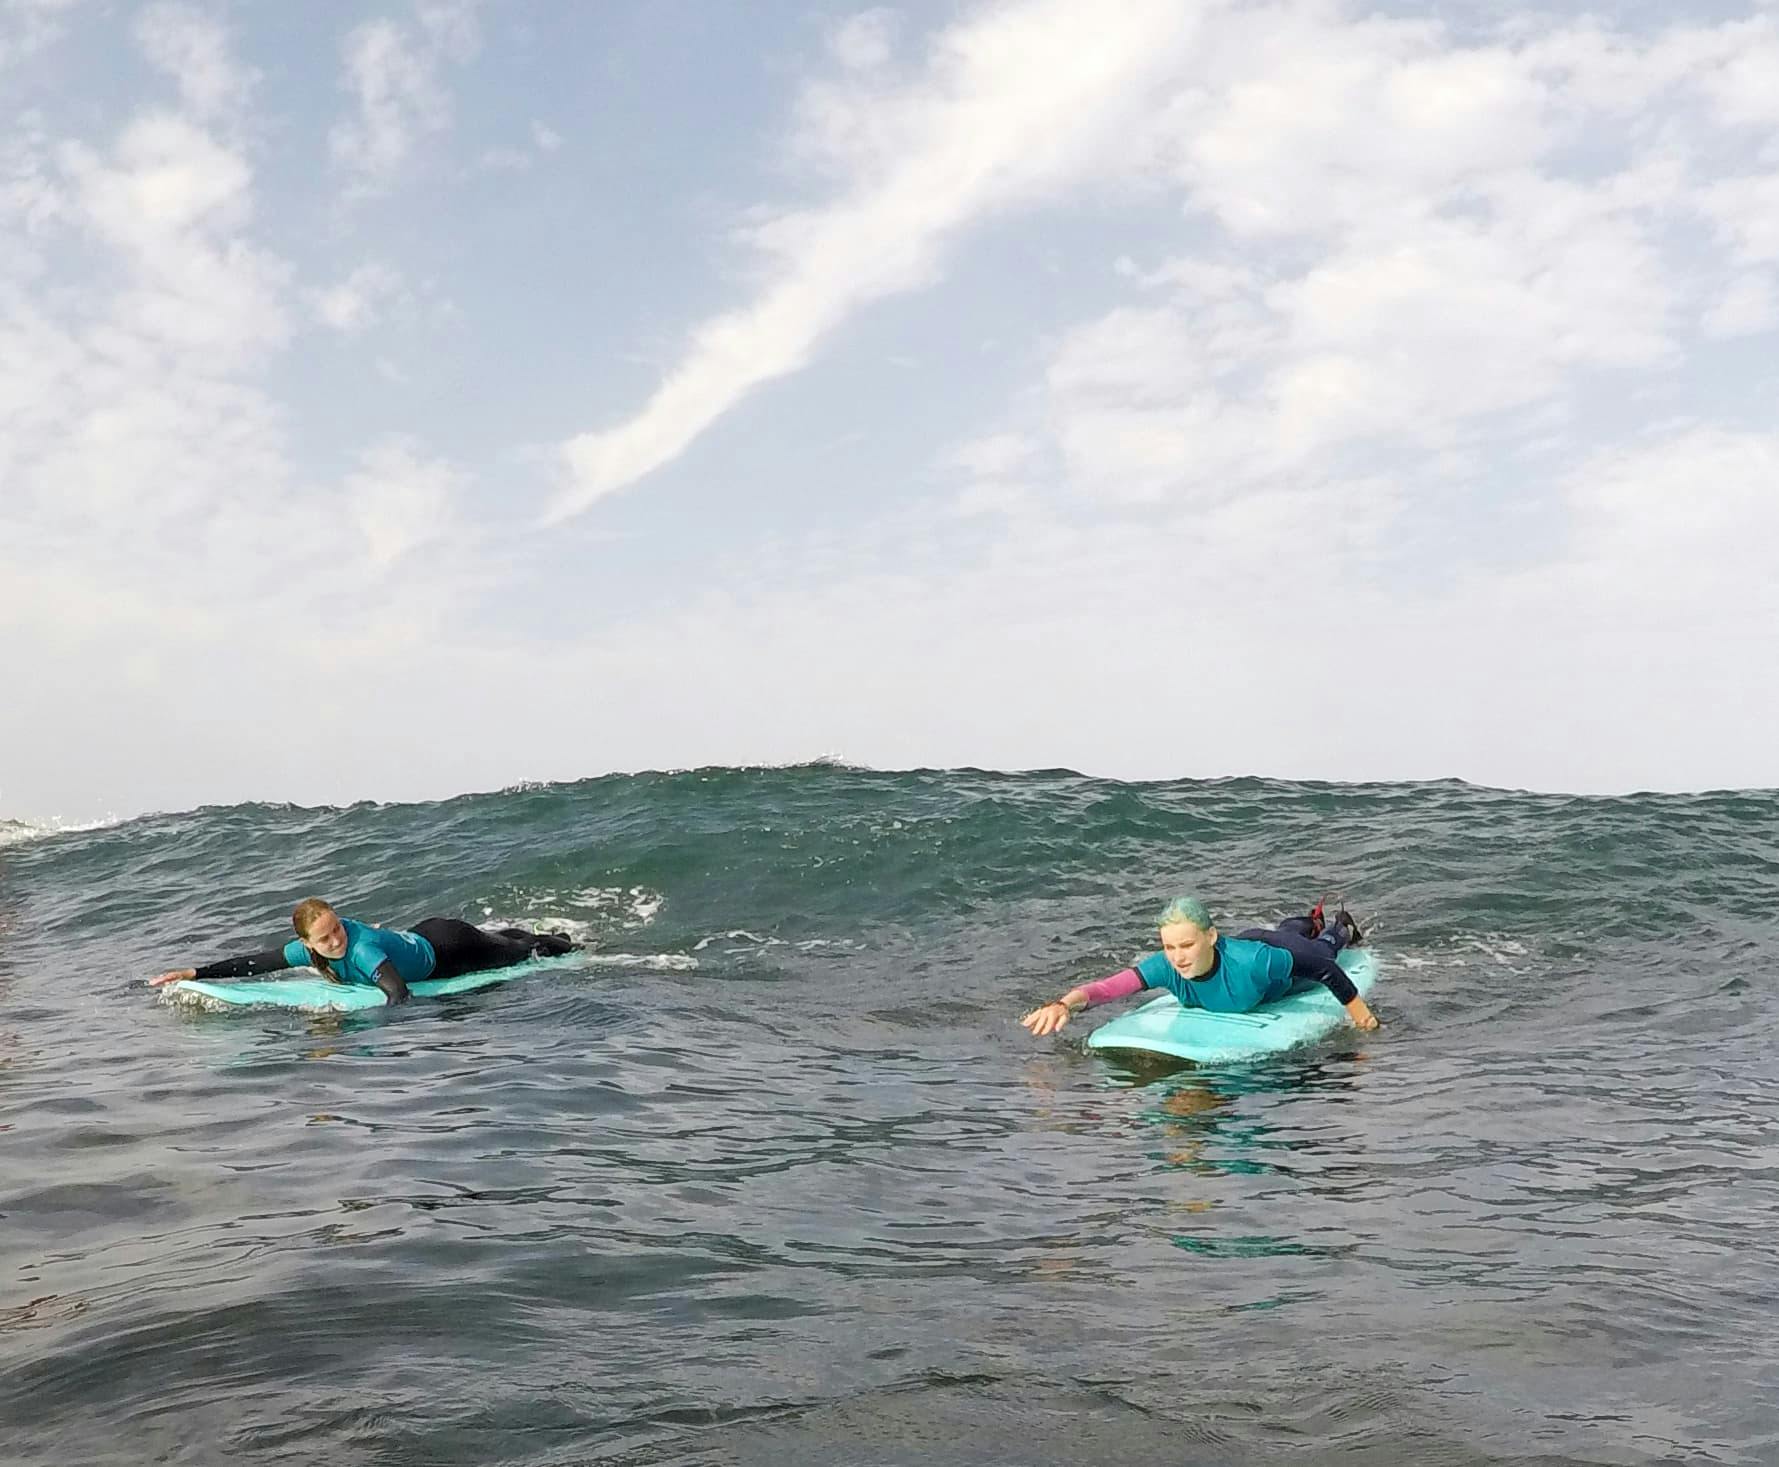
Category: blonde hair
<point>307,913</point>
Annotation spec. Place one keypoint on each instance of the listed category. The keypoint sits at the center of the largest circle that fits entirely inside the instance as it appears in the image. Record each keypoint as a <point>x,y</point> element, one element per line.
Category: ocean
<point>772,1174</point>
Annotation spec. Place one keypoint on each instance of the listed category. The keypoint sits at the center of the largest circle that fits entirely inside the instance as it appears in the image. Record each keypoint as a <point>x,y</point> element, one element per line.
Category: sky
<point>398,400</point>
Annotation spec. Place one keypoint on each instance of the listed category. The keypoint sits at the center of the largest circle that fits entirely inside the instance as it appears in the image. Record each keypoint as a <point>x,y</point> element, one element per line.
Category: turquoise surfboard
<point>1164,1026</point>
<point>320,996</point>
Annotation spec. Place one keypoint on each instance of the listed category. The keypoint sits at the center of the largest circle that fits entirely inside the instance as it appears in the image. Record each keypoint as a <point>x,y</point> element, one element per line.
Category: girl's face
<point>327,937</point>
<point>1190,948</point>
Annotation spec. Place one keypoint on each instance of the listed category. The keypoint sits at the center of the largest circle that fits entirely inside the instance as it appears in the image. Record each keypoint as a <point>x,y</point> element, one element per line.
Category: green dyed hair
<point>1186,909</point>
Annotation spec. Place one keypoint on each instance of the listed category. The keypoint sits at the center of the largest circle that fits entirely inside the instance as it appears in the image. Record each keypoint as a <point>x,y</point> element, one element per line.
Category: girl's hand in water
<point>1360,1013</point>
<point>1048,1019</point>
<point>173,977</point>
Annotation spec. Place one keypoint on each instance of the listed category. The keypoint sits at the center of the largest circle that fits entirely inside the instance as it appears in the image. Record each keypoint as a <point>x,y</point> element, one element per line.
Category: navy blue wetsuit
<point>1311,957</point>
<point>1256,967</point>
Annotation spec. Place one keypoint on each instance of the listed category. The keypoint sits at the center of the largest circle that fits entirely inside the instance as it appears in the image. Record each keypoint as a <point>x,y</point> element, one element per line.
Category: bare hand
<point>1048,1019</point>
<point>173,977</point>
<point>1360,1013</point>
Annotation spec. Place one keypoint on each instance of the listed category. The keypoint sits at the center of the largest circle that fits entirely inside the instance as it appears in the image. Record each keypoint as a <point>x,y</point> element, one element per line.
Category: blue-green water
<point>775,1177</point>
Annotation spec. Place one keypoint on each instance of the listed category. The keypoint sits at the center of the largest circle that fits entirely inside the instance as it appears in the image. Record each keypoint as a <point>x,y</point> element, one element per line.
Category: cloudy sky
<point>403,399</point>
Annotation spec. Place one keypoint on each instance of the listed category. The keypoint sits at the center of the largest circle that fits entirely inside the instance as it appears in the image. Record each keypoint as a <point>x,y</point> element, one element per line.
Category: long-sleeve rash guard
<point>407,955</point>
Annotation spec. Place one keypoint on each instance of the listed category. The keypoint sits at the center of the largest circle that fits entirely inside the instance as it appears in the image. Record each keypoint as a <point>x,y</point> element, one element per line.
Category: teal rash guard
<point>1245,975</point>
<point>367,949</point>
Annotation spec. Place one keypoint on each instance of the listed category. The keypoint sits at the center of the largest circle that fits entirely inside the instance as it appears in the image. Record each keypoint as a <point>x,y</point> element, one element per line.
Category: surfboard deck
<point>1164,1026</point>
<point>320,996</point>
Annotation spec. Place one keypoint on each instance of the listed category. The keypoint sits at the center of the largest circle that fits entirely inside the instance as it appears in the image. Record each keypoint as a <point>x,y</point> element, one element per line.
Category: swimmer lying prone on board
<point>385,957</point>
<point>1226,975</point>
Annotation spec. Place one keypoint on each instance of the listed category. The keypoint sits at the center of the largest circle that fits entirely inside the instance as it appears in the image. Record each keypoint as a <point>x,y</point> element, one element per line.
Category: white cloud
<point>991,497</point>
<point>1749,306</point>
<point>1450,321</point>
<point>1135,411</point>
<point>399,99</point>
<point>359,300</point>
<point>1745,211</point>
<point>173,202</point>
<point>1593,69</point>
<point>1396,249</point>
<point>1400,246</point>
<point>27,26</point>
<point>129,404</point>
<point>1131,355</point>
<point>1013,104</point>
<point>995,456</point>
<point>1582,671</point>
<point>865,40</point>
<point>1744,88</point>
<point>150,496</point>
<point>507,160</point>
<point>32,200</point>
<point>1304,121</point>
<point>399,499</point>
<point>1456,261</point>
<point>452,26</point>
<point>169,178</point>
<point>1653,601</point>
<point>392,72</point>
<point>1684,516</point>
<point>524,157</point>
<point>193,49</point>
<point>1196,279</point>
<point>1440,298</point>
<point>999,470</point>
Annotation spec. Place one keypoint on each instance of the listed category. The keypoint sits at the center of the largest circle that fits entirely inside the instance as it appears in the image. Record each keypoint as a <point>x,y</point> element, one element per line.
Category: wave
<point>16,832</point>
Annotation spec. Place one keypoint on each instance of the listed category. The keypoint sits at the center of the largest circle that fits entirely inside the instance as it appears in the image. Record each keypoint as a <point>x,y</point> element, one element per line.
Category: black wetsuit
<point>462,947</point>
<point>458,947</point>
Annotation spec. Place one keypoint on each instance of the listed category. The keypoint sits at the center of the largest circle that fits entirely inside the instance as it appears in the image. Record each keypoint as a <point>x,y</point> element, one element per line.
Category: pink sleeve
<point>1117,986</point>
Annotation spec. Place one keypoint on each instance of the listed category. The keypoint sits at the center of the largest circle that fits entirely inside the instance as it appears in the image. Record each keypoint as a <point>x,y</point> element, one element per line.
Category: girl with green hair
<point>1227,975</point>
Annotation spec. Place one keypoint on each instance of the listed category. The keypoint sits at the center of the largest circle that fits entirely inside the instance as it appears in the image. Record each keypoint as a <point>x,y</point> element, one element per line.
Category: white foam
<point>738,935</point>
<point>12,832</point>
<point>581,932</point>
<point>178,997</point>
<point>587,934</point>
<point>643,907</point>
<point>660,962</point>
<point>16,832</point>
<point>637,904</point>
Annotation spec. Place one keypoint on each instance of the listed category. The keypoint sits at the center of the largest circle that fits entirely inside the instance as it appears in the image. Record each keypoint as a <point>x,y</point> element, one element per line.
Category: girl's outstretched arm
<point>249,965</point>
<point>1052,1016</point>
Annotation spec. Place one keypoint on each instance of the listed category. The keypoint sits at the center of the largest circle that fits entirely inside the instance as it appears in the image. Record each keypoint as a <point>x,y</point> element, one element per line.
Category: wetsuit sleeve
<point>1330,974</point>
<point>394,986</point>
<point>1119,985</point>
<point>1153,970</point>
<point>272,960</point>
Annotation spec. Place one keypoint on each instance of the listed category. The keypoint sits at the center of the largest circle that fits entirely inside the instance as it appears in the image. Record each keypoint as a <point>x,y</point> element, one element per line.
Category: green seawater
<point>772,1175</point>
